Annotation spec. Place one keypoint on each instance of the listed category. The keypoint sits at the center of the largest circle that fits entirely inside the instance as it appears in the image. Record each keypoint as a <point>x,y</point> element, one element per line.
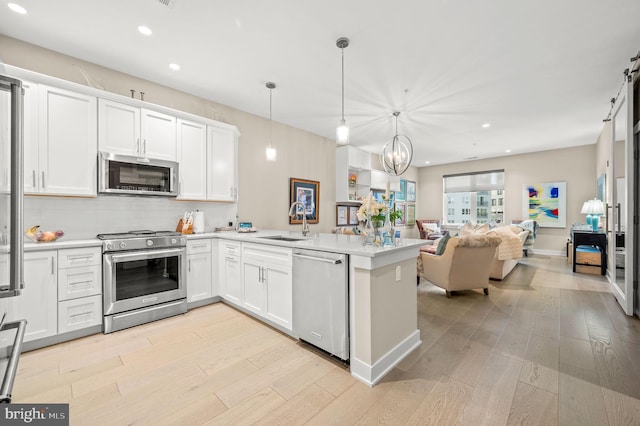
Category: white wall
<point>576,166</point>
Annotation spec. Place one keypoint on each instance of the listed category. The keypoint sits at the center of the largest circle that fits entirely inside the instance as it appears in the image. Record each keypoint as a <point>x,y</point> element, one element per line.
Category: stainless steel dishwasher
<point>321,300</point>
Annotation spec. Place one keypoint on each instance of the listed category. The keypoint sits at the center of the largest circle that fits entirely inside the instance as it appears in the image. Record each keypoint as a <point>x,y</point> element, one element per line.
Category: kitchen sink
<point>282,238</point>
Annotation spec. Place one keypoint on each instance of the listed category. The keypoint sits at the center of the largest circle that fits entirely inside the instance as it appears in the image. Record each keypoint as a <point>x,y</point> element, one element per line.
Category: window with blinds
<point>474,197</point>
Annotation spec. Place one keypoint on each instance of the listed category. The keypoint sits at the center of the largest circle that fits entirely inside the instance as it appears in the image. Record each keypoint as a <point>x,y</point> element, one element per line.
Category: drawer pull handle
<point>80,257</point>
<point>80,282</point>
<point>80,314</point>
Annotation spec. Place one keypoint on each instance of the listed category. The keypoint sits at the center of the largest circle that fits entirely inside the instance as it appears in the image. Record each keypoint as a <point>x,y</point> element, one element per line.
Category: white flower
<point>370,207</point>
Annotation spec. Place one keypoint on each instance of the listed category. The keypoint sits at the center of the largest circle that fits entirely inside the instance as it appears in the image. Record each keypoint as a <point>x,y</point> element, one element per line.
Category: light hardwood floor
<point>545,347</point>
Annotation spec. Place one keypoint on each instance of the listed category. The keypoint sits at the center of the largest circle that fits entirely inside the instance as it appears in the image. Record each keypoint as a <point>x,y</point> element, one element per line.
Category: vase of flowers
<point>373,215</point>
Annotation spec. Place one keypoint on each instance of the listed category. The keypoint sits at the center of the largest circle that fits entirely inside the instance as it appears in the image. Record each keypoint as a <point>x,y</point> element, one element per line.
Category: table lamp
<point>593,209</point>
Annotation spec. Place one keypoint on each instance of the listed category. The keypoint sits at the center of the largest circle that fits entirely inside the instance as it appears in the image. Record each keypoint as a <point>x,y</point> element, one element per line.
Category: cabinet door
<point>253,289</point>
<point>221,172</point>
<point>279,295</point>
<point>118,128</point>
<point>158,133</point>
<point>192,156</point>
<point>198,276</point>
<point>231,281</point>
<point>30,153</point>
<point>68,146</point>
<point>38,303</point>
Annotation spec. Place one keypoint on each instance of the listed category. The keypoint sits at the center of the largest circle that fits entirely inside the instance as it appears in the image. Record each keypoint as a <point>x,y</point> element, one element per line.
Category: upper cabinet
<point>60,147</point>
<point>129,130</point>
<point>222,154</point>
<point>192,156</point>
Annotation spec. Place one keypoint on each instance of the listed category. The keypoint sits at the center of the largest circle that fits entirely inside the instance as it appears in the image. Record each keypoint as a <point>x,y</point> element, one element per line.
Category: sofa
<point>463,265</point>
<point>509,251</point>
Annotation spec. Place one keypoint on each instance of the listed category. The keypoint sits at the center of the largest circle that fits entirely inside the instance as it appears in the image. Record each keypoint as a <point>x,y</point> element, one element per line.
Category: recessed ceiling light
<point>144,30</point>
<point>427,162</point>
<point>508,150</point>
<point>486,125</point>
<point>174,67</point>
<point>17,8</point>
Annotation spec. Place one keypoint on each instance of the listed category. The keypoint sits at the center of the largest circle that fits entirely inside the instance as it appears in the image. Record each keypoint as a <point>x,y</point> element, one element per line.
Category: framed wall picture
<point>402,208</point>
<point>411,215</point>
<point>411,191</point>
<point>307,193</point>
<point>401,195</point>
<point>353,215</point>
<point>342,215</point>
<point>546,203</point>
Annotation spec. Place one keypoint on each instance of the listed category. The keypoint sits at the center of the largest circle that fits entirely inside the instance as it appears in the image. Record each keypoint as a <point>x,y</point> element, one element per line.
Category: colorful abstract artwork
<point>546,203</point>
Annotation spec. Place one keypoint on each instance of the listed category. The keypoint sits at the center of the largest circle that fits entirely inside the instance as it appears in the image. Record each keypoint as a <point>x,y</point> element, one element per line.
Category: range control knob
<point>174,241</point>
<point>110,246</point>
<point>123,245</point>
<point>149,243</point>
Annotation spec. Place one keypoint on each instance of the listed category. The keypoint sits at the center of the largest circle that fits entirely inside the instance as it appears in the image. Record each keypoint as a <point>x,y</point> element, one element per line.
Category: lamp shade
<point>593,207</point>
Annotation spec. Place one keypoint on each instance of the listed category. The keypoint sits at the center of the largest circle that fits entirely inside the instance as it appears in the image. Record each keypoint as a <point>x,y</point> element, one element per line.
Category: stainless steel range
<point>144,275</point>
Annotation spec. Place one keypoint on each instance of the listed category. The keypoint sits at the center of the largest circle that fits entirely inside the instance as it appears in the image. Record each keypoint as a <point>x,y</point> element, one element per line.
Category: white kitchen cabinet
<point>267,282</point>
<point>30,137</point>
<point>79,273</point>
<point>379,180</point>
<point>192,156</point>
<point>79,288</point>
<point>230,271</point>
<point>61,160</point>
<point>79,313</point>
<point>199,276</point>
<point>352,163</point>
<point>129,130</point>
<point>38,303</point>
<point>222,154</point>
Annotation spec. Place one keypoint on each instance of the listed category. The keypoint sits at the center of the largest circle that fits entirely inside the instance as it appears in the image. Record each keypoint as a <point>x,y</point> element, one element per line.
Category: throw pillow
<point>466,229</point>
<point>482,229</point>
<point>442,244</point>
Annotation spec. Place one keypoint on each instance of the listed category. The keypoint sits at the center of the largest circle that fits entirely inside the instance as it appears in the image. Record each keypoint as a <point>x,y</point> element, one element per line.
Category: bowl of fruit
<point>38,236</point>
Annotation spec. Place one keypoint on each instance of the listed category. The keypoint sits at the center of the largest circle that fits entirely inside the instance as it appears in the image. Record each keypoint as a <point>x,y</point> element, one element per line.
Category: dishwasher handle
<point>319,259</point>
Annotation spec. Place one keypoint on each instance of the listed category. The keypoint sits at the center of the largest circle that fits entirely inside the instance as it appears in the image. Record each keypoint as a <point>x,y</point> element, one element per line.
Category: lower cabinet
<point>230,271</point>
<point>199,272</point>
<point>79,288</point>
<point>79,313</point>
<point>267,282</point>
<point>38,303</point>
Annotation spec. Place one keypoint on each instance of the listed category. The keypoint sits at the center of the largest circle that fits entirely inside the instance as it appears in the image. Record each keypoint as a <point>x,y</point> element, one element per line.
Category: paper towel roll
<point>198,222</point>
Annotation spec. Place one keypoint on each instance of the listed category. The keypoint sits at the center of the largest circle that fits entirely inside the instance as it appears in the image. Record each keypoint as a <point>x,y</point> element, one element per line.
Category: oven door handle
<point>146,254</point>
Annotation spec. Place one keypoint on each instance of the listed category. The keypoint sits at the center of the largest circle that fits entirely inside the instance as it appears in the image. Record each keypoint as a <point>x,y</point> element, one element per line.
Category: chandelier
<point>397,154</point>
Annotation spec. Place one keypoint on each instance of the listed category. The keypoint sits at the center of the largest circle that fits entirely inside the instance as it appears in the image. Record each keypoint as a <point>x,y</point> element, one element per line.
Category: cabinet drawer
<point>231,248</point>
<point>79,282</point>
<point>86,256</point>
<point>267,253</point>
<point>79,313</point>
<point>198,246</point>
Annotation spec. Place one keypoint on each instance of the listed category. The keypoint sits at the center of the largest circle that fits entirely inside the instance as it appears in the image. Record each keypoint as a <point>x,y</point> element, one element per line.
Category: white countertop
<point>334,243</point>
<point>61,244</point>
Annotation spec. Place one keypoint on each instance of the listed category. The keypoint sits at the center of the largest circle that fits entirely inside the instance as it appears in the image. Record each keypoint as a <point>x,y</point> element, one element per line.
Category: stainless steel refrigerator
<point>11,238</point>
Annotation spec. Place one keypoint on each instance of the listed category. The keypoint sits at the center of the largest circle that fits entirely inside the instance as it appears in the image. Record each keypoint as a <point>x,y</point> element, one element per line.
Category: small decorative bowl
<point>45,237</point>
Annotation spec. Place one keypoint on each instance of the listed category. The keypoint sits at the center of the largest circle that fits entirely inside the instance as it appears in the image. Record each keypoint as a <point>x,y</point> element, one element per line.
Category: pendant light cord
<point>342,49</point>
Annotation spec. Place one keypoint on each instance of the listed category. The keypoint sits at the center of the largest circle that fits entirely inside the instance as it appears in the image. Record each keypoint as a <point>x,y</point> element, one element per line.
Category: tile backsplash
<point>82,218</point>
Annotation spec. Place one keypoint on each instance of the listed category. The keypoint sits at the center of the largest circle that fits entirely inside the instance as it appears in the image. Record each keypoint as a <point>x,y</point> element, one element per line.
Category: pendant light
<point>397,154</point>
<point>342,132</point>
<point>270,151</point>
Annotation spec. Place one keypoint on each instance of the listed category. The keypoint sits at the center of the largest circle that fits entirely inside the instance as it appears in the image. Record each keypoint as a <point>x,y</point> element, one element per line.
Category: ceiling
<point>541,72</point>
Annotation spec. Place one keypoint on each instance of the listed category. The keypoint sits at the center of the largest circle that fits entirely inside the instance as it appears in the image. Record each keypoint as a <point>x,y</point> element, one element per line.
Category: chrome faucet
<point>294,213</point>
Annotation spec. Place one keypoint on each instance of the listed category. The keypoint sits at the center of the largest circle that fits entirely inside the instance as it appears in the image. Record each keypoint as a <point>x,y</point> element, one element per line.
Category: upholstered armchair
<point>464,265</point>
<point>430,229</point>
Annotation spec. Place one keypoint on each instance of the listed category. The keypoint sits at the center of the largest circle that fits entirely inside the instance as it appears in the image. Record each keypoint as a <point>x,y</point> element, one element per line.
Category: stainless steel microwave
<point>130,175</point>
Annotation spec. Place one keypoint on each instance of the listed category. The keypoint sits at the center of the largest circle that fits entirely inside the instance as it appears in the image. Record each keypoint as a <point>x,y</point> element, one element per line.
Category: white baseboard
<point>372,374</point>
<point>549,252</point>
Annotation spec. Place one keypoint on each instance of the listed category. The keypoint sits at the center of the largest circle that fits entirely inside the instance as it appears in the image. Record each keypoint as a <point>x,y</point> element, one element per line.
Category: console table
<point>598,239</point>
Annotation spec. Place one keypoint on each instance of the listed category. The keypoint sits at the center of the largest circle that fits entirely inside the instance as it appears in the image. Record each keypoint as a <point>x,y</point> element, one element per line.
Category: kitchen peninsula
<point>381,287</point>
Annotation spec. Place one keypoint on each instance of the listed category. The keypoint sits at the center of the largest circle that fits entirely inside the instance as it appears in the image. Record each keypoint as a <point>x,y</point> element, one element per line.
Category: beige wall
<point>263,186</point>
<point>576,166</point>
